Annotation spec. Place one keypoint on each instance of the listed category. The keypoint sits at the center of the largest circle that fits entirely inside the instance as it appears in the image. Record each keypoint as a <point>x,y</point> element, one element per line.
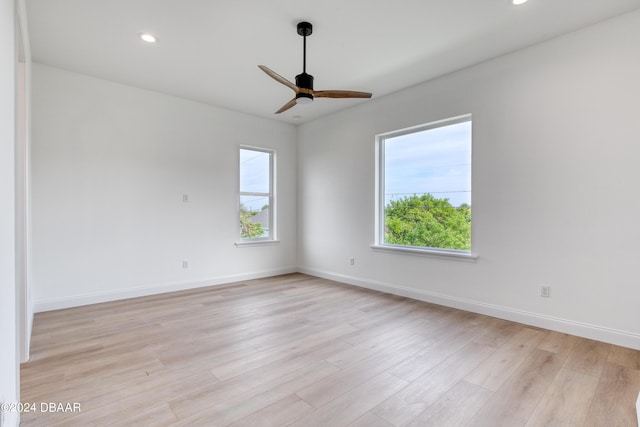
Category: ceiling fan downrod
<point>304,80</point>
<point>304,29</point>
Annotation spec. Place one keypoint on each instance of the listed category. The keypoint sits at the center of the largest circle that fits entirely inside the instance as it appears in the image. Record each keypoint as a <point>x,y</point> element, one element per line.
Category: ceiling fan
<point>304,82</point>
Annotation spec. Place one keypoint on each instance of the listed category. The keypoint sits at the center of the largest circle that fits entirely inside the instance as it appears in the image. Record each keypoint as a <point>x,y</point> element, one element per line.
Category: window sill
<point>431,253</point>
<point>249,243</point>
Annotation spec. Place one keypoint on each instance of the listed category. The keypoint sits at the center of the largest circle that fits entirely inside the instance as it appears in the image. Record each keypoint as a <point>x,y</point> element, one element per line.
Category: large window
<point>424,187</point>
<point>257,209</point>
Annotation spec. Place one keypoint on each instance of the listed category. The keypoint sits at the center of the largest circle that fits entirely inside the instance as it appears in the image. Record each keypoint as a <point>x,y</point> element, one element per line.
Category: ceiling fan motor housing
<point>304,81</point>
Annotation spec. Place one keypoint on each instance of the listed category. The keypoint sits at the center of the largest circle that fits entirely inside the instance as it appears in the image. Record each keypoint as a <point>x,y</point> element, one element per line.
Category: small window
<point>256,194</point>
<point>424,187</point>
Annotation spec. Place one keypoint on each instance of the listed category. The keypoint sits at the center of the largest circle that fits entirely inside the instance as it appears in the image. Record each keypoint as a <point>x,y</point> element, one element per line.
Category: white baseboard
<point>599,333</point>
<point>98,297</point>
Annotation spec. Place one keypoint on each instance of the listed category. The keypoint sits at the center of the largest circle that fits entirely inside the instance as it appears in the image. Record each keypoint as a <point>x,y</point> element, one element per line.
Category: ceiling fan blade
<point>340,94</point>
<point>286,106</point>
<point>277,77</point>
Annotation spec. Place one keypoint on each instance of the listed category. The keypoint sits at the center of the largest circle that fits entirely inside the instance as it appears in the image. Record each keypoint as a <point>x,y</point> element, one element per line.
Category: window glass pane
<point>254,171</point>
<point>255,215</point>
<point>427,188</point>
<point>256,197</point>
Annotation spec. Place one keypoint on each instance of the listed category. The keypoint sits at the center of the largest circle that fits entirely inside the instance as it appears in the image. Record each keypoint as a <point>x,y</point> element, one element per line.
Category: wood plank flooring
<point>296,350</point>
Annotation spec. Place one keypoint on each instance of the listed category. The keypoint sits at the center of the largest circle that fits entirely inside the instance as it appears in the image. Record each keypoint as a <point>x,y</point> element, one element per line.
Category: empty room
<point>296,213</point>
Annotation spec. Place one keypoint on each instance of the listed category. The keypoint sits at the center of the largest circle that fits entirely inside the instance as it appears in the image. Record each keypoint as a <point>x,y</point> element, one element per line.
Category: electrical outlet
<point>185,264</point>
<point>352,261</point>
<point>545,291</point>
<point>185,198</point>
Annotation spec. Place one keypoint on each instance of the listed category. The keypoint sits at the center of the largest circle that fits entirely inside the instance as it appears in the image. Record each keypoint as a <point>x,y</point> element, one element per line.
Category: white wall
<point>556,145</point>
<point>110,166</point>
<point>9,372</point>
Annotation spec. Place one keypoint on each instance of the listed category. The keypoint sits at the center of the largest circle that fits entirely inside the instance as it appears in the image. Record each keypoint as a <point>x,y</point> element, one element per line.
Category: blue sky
<point>254,177</point>
<point>436,161</point>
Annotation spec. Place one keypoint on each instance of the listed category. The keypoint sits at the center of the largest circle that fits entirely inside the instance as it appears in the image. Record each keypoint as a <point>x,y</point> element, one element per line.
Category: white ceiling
<point>209,49</point>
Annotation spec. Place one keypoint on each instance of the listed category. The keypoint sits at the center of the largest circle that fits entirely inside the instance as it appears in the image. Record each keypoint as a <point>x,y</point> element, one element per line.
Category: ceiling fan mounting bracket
<point>305,29</point>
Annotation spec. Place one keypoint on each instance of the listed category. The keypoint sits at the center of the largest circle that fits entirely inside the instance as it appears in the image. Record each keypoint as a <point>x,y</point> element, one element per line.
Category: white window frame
<point>271,195</point>
<point>379,222</point>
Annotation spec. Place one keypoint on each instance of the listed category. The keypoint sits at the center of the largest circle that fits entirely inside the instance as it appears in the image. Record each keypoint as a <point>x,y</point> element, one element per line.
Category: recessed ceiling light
<point>517,2</point>
<point>148,37</point>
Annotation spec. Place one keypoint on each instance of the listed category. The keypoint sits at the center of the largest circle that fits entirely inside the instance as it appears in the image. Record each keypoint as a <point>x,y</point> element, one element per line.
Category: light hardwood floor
<point>303,351</point>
